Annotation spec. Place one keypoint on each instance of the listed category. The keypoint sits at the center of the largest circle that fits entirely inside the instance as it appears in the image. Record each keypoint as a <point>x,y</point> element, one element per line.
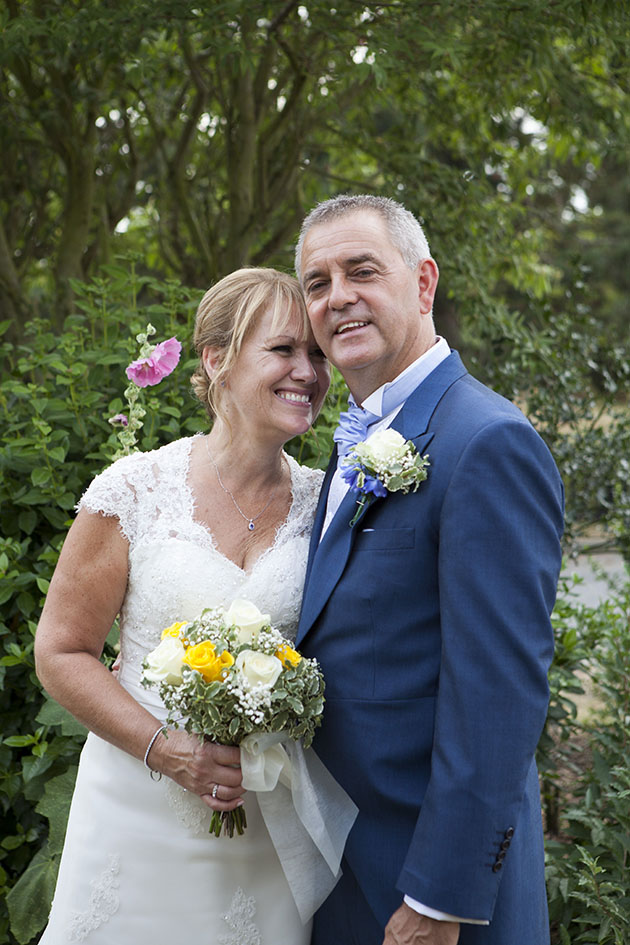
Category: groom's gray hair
<point>404,230</point>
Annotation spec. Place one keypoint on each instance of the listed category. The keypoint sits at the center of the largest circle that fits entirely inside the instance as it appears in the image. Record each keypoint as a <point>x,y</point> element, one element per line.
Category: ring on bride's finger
<point>215,790</point>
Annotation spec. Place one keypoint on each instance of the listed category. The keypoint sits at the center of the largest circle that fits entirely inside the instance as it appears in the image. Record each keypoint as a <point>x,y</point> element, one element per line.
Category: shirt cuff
<point>441,916</point>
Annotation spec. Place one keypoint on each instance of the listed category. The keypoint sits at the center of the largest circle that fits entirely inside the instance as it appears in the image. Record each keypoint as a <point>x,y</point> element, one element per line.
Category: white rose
<point>164,663</point>
<point>384,446</point>
<point>248,620</point>
<point>258,668</point>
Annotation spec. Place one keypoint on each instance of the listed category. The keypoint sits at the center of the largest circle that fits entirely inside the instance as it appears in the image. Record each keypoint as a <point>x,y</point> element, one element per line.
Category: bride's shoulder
<point>148,463</point>
<point>305,478</point>
<point>135,473</point>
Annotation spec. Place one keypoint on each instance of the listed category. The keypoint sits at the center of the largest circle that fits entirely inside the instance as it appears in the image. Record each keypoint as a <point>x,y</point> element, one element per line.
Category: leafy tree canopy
<point>199,134</point>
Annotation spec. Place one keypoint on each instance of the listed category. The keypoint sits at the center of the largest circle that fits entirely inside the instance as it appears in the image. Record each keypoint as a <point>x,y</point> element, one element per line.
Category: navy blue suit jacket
<point>430,618</point>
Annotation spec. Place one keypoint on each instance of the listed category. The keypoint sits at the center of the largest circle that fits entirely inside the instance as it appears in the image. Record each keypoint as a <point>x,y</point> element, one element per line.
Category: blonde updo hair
<point>229,312</point>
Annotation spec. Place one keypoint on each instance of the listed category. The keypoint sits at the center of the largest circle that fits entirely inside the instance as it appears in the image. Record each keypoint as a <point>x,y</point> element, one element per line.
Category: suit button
<point>497,867</point>
<point>509,833</point>
<point>505,844</point>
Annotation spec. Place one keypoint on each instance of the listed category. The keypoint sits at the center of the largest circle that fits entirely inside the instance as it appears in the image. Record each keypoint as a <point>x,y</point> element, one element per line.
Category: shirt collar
<point>420,369</point>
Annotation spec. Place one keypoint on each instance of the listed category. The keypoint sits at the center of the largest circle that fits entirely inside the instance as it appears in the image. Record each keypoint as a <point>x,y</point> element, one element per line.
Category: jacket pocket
<point>386,539</point>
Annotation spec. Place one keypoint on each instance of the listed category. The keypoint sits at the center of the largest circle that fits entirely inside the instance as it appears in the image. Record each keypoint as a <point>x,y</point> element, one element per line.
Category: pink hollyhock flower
<point>147,372</point>
<point>119,420</point>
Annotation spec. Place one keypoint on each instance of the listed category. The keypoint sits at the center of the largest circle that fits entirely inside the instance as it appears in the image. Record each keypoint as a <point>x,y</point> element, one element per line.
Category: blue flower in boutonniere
<point>383,463</point>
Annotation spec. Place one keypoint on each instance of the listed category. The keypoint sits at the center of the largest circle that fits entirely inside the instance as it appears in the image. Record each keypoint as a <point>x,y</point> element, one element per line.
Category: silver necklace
<point>249,519</point>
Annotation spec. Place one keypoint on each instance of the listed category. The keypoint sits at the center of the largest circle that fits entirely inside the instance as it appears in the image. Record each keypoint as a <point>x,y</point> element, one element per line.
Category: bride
<point>158,537</point>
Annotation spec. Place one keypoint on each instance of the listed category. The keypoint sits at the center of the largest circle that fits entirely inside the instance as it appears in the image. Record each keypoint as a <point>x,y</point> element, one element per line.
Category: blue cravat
<point>354,422</point>
<point>352,427</point>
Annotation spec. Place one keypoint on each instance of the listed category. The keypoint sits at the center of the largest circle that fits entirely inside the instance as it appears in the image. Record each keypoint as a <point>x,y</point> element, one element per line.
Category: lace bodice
<point>175,568</point>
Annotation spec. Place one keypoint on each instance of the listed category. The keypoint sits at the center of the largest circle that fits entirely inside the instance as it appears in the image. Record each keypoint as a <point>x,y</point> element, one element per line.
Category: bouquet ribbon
<point>308,815</point>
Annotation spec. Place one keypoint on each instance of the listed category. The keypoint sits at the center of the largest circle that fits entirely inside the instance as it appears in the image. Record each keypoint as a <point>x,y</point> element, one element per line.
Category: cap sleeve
<point>114,492</point>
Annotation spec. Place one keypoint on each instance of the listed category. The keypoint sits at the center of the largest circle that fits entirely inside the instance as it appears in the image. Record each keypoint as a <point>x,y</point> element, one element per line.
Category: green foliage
<point>572,382</point>
<point>198,135</point>
<point>576,629</point>
<point>587,863</point>
<point>55,401</point>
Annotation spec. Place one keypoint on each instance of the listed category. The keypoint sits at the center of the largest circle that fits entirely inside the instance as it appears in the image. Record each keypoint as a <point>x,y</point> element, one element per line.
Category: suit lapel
<point>328,557</point>
<point>328,561</point>
<point>320,513</point>
<point>414,418</point>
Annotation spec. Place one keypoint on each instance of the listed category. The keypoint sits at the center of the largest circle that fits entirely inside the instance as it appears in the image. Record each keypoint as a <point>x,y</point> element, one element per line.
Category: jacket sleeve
<point>499,559</point>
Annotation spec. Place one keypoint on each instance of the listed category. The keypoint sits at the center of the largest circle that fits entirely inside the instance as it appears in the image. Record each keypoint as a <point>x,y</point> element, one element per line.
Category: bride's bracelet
<point>152,771</point>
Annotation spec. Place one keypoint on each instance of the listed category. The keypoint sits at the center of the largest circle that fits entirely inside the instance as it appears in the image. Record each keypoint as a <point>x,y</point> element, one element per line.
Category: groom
<point>429,612</point>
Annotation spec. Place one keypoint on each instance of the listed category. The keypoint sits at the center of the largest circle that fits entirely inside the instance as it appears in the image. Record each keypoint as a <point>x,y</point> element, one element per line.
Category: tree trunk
<point>11,299</point>
<point>446,321</point>
<point>77,216</point>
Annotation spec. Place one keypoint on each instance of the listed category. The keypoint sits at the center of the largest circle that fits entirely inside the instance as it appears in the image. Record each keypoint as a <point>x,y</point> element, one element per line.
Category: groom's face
<point>368,309</point>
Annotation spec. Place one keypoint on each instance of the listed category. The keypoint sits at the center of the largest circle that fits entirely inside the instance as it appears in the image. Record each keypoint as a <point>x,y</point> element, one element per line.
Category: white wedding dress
<point>139,865</point>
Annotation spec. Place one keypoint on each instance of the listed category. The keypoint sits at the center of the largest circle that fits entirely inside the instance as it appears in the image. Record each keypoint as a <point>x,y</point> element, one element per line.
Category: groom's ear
<point>428,275</point>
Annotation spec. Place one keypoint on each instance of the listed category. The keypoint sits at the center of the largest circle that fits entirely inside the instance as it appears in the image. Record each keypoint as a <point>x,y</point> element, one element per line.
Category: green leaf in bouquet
<point>234,727</point>
<point>296,704</point>
<point>213,713</point>
<point>315,707</point>
<point>279,721</point>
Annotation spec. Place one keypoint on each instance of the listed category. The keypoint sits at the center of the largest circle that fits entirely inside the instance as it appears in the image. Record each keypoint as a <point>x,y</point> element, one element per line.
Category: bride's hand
<point>211,771</point>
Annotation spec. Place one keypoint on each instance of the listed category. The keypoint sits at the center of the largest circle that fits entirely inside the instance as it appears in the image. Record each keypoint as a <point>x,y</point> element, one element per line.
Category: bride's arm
<point>86,593</point>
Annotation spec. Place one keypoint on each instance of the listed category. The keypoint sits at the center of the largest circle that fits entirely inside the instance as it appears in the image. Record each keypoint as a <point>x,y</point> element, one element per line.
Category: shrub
<point>587,865</point>
<point>55,400</point>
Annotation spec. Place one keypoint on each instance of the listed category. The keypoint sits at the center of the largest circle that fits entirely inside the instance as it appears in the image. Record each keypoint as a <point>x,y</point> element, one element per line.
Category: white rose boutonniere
<point>383,463</point>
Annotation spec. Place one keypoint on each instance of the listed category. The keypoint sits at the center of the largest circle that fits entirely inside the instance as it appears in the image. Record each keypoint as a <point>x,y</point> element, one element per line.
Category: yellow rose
<point>247,619</point>
<point>203,657</point>
<point>287,654</point>
<point>173,630</point>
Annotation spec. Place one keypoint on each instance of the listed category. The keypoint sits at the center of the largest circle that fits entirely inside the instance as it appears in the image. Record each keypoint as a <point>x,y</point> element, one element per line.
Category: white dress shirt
<point>422,367</point>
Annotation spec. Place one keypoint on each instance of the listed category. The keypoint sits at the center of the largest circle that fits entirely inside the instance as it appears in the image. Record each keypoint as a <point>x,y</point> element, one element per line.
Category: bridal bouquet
<point>229,674</point>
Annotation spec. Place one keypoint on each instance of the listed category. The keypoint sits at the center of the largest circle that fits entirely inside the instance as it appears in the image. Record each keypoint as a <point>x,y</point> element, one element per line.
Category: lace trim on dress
<point>104,902</point>
<point>115,492</point>
<point>150,494</point>
<point>239,918</point>
<point>190,811</point>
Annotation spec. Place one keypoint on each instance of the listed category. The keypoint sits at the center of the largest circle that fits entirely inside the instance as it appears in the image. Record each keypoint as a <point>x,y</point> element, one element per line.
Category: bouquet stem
<point>228,821</point>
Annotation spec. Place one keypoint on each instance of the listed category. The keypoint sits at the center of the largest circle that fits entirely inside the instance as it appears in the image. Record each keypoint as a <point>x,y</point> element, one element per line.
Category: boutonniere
<point>383,463</point>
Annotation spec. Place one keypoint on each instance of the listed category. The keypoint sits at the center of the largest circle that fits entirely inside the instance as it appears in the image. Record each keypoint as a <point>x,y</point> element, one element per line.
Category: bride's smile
<point>276,386</point>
